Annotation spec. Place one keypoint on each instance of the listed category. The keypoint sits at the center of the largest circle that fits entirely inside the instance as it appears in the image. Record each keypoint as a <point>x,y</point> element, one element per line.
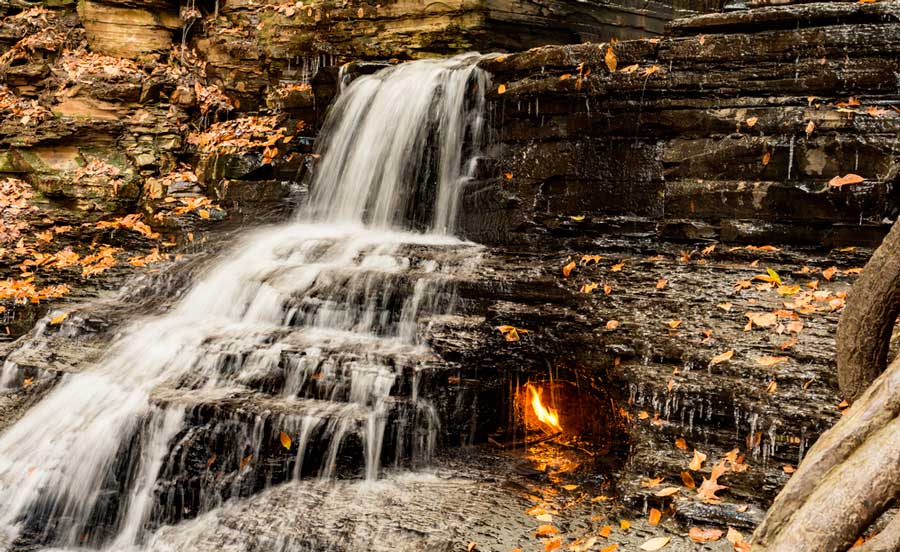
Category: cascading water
<point>328,308</point>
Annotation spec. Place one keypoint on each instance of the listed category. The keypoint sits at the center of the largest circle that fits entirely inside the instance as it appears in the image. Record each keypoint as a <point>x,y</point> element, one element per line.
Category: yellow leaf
<point>58,319</point>
<point>577,218</point>
<point>204,214</point>
<point>27,381</point>
<point>656,543</point>
<point>625,525</point>
<point>720,358</point>
<point>501,89</point>
<point>851,178</point>
<point>751,121</point>
<point>285,440</point>
<point>774,276</point>
<point>611,60</point>
<point>586,259</point>
<point>674,323</point>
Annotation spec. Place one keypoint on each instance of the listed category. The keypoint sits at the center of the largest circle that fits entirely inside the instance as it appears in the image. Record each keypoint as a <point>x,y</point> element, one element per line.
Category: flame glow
<point>547,415</point>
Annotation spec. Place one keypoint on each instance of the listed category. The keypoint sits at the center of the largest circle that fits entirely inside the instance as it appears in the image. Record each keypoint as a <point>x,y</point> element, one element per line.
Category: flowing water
<point>309,329</point>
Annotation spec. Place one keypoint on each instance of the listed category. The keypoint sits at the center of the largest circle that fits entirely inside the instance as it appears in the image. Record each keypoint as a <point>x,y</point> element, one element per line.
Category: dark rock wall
<point>731,129</point>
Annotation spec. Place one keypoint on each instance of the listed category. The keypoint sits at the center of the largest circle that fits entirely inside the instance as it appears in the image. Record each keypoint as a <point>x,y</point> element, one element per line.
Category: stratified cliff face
<point>733,129</point>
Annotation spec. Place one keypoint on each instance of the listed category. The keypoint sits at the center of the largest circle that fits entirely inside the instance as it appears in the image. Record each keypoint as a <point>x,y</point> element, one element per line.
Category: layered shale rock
<point>732,129</point>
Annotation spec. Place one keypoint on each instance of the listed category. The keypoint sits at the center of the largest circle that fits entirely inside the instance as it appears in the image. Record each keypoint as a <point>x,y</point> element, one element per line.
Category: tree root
<point>852,473</point>
<point>867,321</point>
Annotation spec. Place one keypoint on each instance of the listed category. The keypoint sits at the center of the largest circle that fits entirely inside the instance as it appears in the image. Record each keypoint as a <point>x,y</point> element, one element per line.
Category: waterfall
<point>327,306</point>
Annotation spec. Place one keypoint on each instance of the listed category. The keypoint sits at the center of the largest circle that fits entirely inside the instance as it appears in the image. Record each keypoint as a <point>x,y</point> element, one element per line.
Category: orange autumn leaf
<point>673,323</point>
<point>611,60</point>
<point>766,158</point>
<point>605,531</point>
<point>704,535</point>
<point>650,483</point>
<point>688,480</point>
<point>661,283</point>
<point>566,270</point>
<point>810,127</point>
<point>610,548</point>
<point>245,460</point>
<point>501,89</point>
<point>624,524</point>
<point>845,180</point>
<point>829,273</point>
<point>697,461</point>
<point>720,358</point>
<point>612,324</point>
<point>617,267</point>
<point>552,544</point>
<point>655,516</point>
<point>681,443</point>
<point>285,440</point>
<point>546,531</point>
<point>710,487</point>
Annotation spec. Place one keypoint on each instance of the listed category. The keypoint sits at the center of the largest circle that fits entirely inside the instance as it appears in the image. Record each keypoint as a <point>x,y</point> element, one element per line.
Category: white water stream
<point>346,285</point>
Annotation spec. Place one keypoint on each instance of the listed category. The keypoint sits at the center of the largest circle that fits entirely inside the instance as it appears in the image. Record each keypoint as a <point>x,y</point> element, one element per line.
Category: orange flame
<point>547,415</point>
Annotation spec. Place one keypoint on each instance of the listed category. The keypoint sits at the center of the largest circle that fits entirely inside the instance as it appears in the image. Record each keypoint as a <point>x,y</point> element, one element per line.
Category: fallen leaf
<point>577,218</point>
<point>570,487</point>
<point>771,360</point>
<point>27,381</point>
<point>511,333</point>
<point>360,13</point>
<point>285,440</point>
<point>611,60</point>
<point>605,531</point>
<point>766,158</point>
<point>737,540</point>
<point>629,69</point>
<point>587,288</point>
<point>650,483</point>
<point>704,535</point>
<point>720,358</point>
<point>546,530</point>
<point>697,461</point>
<point>649,70</point>
<point>674,323</point>
<point>688,480</point>
<point>845,180</point>
<point>625,525</point>
<point>586,259</point>
<point>612,324</point>
<point>501,89</point>
<point>655,516</point>
<point>710,487</point>
<point>751,122</point>
<point>661,283</point>
<point>617,267</point>
<point>762,319</point>
<point>607,289</point>
<point>724,306</point>
<point>610,548</point>
<point>829,273</point>
<point>244,461</point>
<point>656,543</point>
<point>552,544</point>
<point>472,545</point>
<point>788,468</point>
<point>772,387</point>
<point>681,444</point>
<point>810,127</point>
<point>566,270</point>
<point>58,319</point>
<point>668,491</point>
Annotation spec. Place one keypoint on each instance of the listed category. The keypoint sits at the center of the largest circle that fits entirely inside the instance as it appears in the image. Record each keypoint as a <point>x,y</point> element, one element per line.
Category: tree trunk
<point>866,324</point>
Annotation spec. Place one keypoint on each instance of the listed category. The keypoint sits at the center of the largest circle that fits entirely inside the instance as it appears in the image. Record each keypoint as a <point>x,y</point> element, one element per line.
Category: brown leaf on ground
<point>697,461</point>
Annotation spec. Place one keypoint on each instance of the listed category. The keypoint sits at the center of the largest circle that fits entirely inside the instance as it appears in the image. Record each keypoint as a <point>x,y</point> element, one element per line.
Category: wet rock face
<point>730,129</point>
